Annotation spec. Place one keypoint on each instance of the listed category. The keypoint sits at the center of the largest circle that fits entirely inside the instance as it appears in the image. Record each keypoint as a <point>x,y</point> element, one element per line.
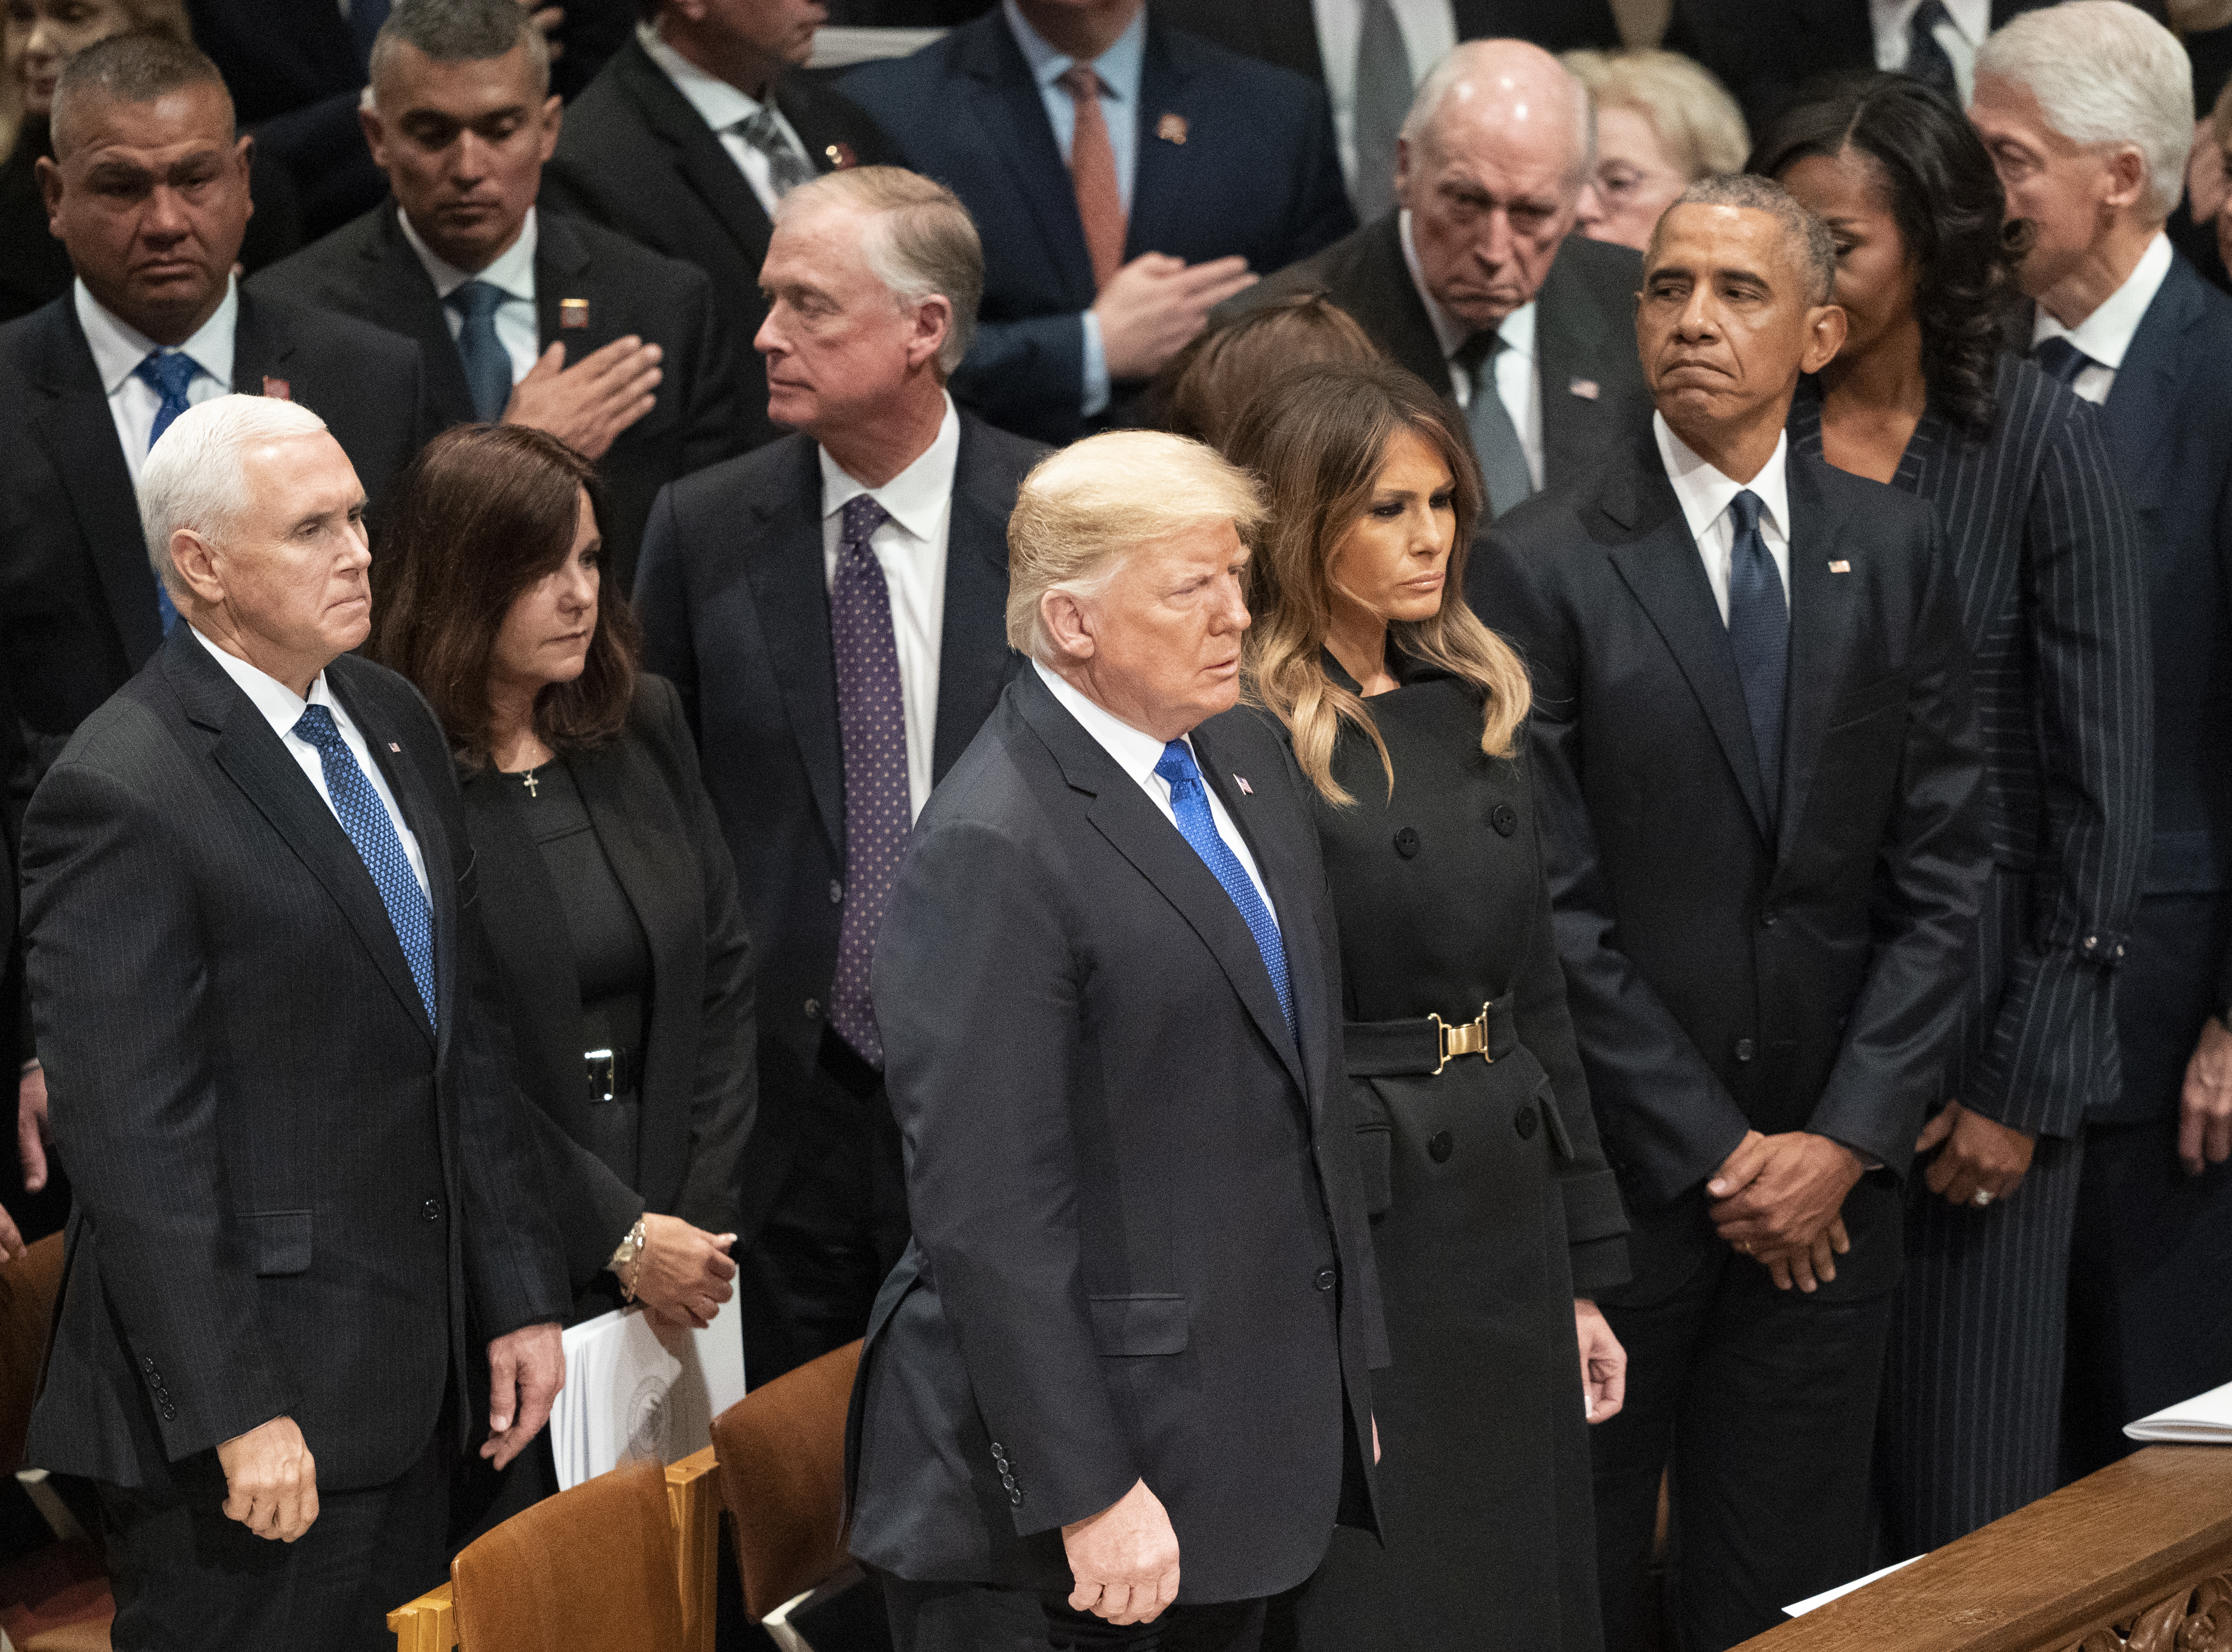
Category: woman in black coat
<point>606,895</point>
<point>2053,602</point>
<point>1494,1215</point>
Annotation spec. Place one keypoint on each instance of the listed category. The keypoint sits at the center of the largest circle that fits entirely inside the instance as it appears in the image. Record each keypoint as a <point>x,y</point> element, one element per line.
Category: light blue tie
<point>1190,803</point>
<point>1758,637</point>
<point>169,374</point>
<point>365,817</point>
<point>488,364</point>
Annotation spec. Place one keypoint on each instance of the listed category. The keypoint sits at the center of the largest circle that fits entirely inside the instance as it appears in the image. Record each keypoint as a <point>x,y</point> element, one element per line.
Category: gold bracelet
<point>627,1261</point>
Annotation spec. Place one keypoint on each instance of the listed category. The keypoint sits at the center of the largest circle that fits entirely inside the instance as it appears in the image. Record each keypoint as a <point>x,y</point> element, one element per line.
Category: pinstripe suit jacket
<point>294,1194</point>
<point>2053,600</point>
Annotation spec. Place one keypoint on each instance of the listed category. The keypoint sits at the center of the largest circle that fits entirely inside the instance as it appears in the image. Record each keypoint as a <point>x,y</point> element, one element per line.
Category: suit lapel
<point>398,292</point>
<point>1570,338</point>
<point>1661,566</point>
<point>562,270</point>
<point>1409,334</point>
<point>2136,413</point>
<point>1003,97</point>
<point>262,347</point>
<point>973,651</point>
<point>699,155</point>
<point>783,561</point>
<point>1163,172</point>
<point>1824,607</point>
<point>79,435</point>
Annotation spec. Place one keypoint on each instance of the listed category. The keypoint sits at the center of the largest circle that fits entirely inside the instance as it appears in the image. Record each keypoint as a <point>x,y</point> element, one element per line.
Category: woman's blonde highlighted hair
<point>1317,438</point>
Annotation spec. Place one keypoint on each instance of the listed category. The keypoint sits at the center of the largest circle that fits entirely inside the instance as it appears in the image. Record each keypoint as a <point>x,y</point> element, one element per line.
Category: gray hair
<point>1082,509</point>
<point>919,241</point>
<point>2104,74</point>
<point>460,31</point>
<point>128,68</point>
<point>194,477</point>
<point>1812,248</point>
<point>1469,58</point>
<point>1690,112</point>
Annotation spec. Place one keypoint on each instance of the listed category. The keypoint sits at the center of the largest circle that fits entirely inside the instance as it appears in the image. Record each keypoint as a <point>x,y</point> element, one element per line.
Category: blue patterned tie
<point>1190,803</point>
<point>365,817</point>
<point>2061,360</point>
<point>1758,636</point>
<point>871,724</point>
<point>488,364</point>
<point>170,375</point>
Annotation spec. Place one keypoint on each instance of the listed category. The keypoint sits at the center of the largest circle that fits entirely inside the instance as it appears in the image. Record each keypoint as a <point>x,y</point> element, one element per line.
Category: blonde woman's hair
<point>1697,121</point>
<point>1318,437</point>
<point>1082,510</point>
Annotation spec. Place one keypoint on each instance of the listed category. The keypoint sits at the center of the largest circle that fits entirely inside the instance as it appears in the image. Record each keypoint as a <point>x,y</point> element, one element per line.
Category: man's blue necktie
<point>488,364</point>
<point>170,375</point>
<point>2061,360</point>
<point>365,817</point>
<point>1758,636</point>
<point>1190,803</point>
<point>1925,53</point>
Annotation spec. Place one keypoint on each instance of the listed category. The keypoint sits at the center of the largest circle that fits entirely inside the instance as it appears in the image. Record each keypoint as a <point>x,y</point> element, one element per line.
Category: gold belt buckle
<point>1463,1038</point>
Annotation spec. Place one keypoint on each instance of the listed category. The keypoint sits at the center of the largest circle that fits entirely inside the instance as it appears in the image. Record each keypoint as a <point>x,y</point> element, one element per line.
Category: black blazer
<point>1248,166</point>
<point>700,1082</point>
<point>1584,357</point>
<point>368,269</point>
<point>735,608</point>
<point>1733,965</point>
<point>1139,1246</point>
<point>293,1196</point>
<point>1285,32</point>
<point>78,615</point>
<point>636,157</point>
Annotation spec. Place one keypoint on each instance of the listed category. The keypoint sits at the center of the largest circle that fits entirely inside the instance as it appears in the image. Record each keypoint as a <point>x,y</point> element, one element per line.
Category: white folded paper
<point>2205,1419</point>
<point>634,1388</point>
<point>1843,1590</point>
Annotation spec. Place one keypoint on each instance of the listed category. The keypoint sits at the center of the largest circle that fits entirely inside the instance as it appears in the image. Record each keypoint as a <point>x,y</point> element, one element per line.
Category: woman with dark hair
<point>1494,1215</point>
<point>1202,389</point>
<point>1923,397</point>
<point>607,897</point>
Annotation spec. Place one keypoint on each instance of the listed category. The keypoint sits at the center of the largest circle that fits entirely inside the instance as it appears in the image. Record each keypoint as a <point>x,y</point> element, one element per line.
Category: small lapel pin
<point>841,156</point>
<point>278,389</point>
<point>573,314</point>
<point>397,750</point>
<point>1840,566</point>
<point>1586,389</point>
<point>1172,128</point>
<point>1241,780</point>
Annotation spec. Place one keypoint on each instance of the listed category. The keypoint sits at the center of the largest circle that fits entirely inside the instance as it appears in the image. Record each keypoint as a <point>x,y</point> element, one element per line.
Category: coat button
<point>170,1414</point>
<point>1440,1146</point>
<point>1766,919</point>
<point>432,1210</point>
<point>813,1009</point>
<point>148,1361</point>
<point>1009,1481</point>
<point>1406,842</point>
<point>1505,819</point>
<point>1523,1121</point>
<point>1016,1498</point>
<point>836,893</point>
<point>1744,1049</point>
<point>1326,1277</point>
<point>999,1450</point>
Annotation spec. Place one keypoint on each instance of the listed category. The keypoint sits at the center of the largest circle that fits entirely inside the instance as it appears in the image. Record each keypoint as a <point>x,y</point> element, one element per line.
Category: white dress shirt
<point>911,549</point>
<point>1705,495</point>
<point>1517,381</point>
<point>1137,753</point>
<point>2106,334</point>
<point>1429,33</point>
<point>517,326</point>
<point>724,108</point>
<point>118,349</point>
<point>1971,22</point>
<point>1119,69</point>
<point>283,708</point>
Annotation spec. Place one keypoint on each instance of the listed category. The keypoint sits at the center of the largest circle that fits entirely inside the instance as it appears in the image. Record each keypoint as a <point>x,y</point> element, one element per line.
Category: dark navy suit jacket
<point>1247,166</point>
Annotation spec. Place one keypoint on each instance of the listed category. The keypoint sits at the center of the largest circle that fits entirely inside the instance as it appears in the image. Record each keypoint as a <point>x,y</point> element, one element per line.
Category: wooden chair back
<point>781,1455</point>
<point>28,1286</point>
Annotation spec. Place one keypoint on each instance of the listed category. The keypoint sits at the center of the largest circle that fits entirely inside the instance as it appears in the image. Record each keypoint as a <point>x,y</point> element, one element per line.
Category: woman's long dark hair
<point>1949,208</point>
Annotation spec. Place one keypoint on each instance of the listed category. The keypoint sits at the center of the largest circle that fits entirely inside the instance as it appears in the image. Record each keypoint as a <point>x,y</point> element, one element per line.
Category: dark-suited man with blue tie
<point>1116,1394</point>
<point>1761,781</point>
<point>1126,177</point>
<point>2087,110</point>
<point>280,1082</point>
<point>829,607</point>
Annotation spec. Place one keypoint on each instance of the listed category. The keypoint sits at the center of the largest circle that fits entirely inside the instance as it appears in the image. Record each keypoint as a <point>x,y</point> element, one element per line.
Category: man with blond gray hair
<point>2087,109</point>
<point>1121,1373</point>
<point>829,606</point>
<point>1478,283</point>
<point>280,1082</point>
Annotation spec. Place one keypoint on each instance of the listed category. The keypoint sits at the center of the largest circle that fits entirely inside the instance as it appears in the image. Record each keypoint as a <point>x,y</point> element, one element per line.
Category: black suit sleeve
<point>703,339</point>
<point>662,606</point>
<point>1026,375</point>
<point>1322,212</point>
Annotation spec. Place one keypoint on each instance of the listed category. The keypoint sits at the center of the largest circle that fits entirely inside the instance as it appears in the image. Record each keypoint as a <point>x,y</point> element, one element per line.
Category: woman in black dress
<point>606,895</point>
<point>1494,1216</point>
<point>2053,602</point>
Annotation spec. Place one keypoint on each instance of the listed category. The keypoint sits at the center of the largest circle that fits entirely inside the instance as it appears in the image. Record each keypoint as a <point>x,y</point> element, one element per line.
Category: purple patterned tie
<point>872,722</point>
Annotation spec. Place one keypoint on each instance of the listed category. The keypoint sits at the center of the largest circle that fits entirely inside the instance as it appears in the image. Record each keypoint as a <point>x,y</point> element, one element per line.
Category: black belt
<point>1394,1049</point>
<point>614,1075</point>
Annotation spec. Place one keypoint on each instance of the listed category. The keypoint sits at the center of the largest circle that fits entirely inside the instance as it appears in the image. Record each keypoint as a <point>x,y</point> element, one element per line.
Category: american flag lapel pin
<point>397,750</point>
<point>573,314</point>
<point>1840,566</point>
<point>1587,389</point>
<point>278,389</point>
<point>1241,780</point>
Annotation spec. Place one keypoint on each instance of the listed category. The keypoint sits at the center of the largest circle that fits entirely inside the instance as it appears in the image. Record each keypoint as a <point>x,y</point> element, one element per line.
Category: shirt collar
<point>1705,493</point>
<point>1136,751</point>
<point>916,498</point>
<point>2106,334</point>
<point>1119,67</point>
<point>513,272</point>
<point>718,103</point>
<point>1515,332</point>
<point>1973,19</point>
<point>117,349</point>
<point>281,706</point>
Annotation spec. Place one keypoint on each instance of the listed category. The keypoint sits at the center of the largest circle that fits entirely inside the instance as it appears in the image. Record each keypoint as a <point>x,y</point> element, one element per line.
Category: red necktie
<point>1093,175</point>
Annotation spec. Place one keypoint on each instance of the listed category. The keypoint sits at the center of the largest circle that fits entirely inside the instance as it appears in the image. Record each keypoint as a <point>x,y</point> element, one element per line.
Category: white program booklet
<point>1843,1590</point>
<point>634,1388</point>
<point>2205,1419</point>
